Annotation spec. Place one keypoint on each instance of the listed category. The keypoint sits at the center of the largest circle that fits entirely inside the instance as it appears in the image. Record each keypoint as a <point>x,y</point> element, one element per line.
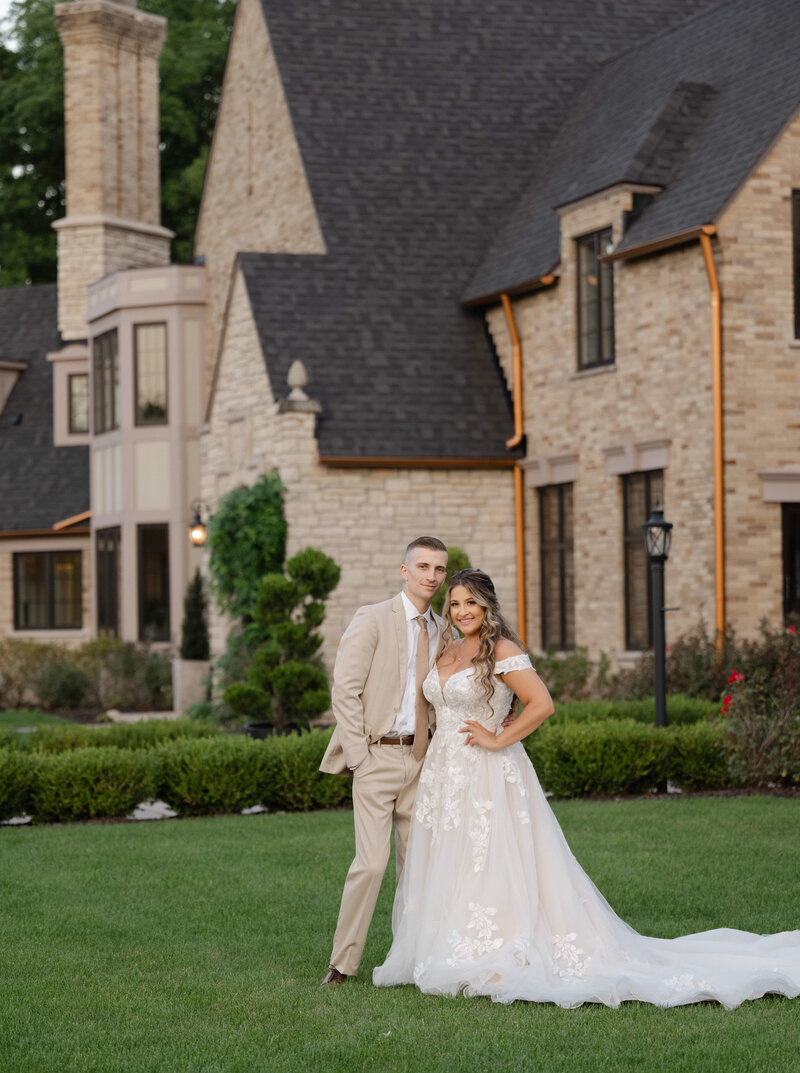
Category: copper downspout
<point>519,488</point>
<point>719,461</point>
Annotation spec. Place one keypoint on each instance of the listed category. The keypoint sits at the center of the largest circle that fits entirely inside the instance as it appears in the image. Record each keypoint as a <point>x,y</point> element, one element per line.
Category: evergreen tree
<point>194,632</point>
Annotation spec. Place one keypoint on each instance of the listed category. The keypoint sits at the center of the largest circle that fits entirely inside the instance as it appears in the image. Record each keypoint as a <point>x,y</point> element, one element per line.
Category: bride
<point>491,900</point>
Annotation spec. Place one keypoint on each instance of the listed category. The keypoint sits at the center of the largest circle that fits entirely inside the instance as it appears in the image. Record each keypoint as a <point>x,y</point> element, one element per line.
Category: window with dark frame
<point>105,375</point>
<point>595,301</point>
<point>78,392</point>
<point>107,564</point>
<point>640,493</point>
<point>796,256</point>
<point>790,517</point>
<point>154,583</point>
<point>150,376</point>
<point>557,567</point>
<point>47,590</point>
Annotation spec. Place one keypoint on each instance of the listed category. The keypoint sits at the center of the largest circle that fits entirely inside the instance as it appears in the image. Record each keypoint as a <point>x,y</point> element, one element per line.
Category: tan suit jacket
<point>368,682</point>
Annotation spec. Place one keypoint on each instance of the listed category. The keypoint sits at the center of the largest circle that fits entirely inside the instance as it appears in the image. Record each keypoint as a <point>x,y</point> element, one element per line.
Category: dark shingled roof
<point>692,110</point>
<point>419,124</point>
<point>39,484</point>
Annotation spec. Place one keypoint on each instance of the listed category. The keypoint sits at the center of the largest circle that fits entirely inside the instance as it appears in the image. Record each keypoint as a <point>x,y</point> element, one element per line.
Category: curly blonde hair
<point>493,627</point>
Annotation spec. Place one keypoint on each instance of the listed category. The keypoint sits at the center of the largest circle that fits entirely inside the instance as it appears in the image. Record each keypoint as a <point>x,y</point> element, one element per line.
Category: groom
<point>383,724</point>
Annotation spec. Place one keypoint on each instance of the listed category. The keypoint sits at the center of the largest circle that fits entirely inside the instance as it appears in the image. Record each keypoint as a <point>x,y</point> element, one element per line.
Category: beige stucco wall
<point>762,382</point>
<point>659,389</point>
<point>256,194</point>
<point>362,518</point>
<point>7,549</point>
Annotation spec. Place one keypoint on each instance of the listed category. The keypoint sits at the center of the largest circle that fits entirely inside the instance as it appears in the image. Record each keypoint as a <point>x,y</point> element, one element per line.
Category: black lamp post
<point>657,540</point>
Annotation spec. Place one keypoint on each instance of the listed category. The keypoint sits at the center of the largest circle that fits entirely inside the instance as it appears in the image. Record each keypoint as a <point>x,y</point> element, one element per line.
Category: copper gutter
<point>719,458</point>
<point>519,487</point>
<point>67,522</point>
<point>526,287</point>
<point>679,238</point>
<point>12,534</point>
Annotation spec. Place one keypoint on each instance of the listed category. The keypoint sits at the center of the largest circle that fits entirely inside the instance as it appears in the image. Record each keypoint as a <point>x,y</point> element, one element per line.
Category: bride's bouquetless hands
<point>478,734</point>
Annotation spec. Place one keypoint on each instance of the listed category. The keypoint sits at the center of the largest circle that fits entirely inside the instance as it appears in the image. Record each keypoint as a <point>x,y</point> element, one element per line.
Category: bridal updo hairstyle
<point>493,627</point>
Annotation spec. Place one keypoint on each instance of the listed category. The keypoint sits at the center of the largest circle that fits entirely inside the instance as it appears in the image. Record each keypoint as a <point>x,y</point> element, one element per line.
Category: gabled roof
<point>39,484</point>
<point>418,125</point>
<point>692,109</point>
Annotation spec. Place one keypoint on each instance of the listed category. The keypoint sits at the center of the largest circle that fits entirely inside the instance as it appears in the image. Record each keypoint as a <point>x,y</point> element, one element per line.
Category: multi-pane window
<point>47,590</point>
<point>640,493</point>
<point>150,350</point>
<point>78,392</point>
<point>791,558</point>
<point>796,255</point>
<point>107,543</point>
<point>595,301</point>
<point>557,567</point>
<point>153,583</point>
<point>105,374</point>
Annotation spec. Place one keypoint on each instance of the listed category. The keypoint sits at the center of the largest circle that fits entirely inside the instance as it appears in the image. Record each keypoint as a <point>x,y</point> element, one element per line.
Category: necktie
<point>423,665</point>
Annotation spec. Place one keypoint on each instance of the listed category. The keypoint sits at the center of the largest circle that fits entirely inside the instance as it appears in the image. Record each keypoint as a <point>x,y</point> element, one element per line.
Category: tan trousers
<point>383,795</point>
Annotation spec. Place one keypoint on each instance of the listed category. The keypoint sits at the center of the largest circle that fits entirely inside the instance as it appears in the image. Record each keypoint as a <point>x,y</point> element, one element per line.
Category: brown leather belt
<point>407,739</point>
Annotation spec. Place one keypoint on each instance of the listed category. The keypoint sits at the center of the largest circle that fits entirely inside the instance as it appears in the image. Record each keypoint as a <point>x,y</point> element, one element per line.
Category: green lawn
<point>195,946</point>
<point>30,717</point>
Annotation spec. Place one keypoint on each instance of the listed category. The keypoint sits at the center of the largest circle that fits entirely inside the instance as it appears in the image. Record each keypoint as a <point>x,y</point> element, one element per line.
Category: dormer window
<point>595,301</point>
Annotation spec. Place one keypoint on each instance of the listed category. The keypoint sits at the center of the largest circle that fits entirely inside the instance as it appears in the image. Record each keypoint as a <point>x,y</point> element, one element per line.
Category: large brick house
<point>536,264</point>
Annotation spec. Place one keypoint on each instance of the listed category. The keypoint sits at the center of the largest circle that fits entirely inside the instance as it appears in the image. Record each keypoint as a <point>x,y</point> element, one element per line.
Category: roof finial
<point>297,378</point>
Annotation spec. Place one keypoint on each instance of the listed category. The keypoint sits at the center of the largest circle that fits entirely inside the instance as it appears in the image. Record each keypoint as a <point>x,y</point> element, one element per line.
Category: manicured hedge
<point>85,784</point>
<point>144,735</point>
<point>680,710</point>
<point>16,779</point>
<point>226,773</point>
<point>623,756</point>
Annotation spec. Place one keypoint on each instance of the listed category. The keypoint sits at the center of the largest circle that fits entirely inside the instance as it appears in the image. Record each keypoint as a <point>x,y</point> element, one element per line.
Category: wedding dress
<point>492,901</point>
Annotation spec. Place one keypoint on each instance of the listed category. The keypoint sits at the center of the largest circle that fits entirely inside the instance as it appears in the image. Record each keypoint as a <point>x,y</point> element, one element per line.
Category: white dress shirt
<point>405,720</point>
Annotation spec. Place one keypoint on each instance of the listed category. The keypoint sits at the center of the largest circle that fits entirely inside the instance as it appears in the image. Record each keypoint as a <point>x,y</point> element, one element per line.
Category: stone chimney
<point>113,218</point>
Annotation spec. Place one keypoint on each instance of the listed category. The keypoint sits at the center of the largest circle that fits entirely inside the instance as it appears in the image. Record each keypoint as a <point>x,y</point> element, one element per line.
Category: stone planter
<point>189,682</point>
<point>259,729</point>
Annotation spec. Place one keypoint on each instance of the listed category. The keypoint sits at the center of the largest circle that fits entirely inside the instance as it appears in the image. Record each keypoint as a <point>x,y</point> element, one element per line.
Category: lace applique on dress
<point>479,828</point>
<point>567,956</point>
<point>483,927</point>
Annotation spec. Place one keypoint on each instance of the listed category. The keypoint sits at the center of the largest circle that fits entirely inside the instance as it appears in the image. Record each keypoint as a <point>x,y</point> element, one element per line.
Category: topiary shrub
<point>194,631</point>
<point>88,783</point>
<point>680,710</point>
<point>286,684</point>
<point>292,779</point>
<point>247,539</point>
<point>700,758</point>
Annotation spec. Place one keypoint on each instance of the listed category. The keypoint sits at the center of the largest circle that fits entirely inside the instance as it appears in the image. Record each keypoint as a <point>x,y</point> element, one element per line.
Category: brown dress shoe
<point>334,977</point>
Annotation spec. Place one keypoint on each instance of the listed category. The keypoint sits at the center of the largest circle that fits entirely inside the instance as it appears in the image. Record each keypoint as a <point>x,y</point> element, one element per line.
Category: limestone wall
<point>256,194</point>
<point>362,518</point>
<point>659,389</point>
<point>762,382</point>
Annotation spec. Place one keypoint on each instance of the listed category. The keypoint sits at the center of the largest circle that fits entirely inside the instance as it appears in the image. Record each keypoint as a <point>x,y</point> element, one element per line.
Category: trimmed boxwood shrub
<point>86,784</point>
<point>16,779</point>
<point>701,760</point>
<point>611,757</point>
<point>225,774</point>
<point>293,781</point>
<point>680,710</point>
<point>145,735</point>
